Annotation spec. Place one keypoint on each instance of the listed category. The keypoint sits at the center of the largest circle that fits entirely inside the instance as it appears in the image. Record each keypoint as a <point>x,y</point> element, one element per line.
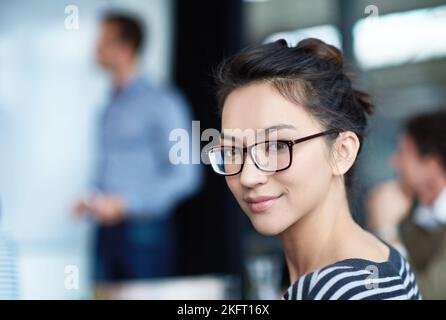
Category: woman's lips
<point>262,203</point>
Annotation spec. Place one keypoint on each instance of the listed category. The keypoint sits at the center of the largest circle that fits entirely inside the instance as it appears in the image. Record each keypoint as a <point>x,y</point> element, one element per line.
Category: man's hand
<point>108,209</point>
<point>387,205</point>
<point>80,207</point>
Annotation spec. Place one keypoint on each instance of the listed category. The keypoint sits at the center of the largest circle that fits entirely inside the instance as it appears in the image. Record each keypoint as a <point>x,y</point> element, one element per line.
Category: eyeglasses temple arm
<point>332,131</point>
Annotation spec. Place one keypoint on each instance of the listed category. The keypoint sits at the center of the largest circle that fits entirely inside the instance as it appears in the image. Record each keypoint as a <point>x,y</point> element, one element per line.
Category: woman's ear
<point>345,150</point>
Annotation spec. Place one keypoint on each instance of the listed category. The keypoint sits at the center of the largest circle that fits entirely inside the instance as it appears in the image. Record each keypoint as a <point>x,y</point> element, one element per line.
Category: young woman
<point>293,180</point>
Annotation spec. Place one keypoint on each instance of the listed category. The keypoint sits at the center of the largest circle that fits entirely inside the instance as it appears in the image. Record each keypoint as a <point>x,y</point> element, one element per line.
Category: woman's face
<point>275,201</point>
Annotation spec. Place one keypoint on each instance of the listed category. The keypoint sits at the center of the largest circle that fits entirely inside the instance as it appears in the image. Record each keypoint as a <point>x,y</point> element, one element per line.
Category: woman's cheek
<point>234,186</point>
<point>303,182</point>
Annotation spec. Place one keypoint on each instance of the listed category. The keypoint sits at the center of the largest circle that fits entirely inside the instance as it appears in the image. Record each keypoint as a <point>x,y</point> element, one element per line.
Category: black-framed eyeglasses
<point>268,156</point>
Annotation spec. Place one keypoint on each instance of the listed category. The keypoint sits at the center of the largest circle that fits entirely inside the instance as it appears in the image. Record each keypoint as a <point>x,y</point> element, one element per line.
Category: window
<point>400,38</point>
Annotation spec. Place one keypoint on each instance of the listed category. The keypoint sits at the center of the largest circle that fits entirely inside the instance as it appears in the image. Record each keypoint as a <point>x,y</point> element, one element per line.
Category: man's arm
<point>166,184</point>
<point>387,205</point>
<point>429,264</point>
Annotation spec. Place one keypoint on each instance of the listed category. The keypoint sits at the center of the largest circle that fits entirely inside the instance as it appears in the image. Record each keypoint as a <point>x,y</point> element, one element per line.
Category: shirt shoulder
<point>317,285</point>
<point>160,91</point>
<point>155,104</point>
<point>357,279</point>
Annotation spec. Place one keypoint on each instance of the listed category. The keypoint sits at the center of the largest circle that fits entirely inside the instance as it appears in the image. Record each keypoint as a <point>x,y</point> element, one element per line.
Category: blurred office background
<point>51,93</point>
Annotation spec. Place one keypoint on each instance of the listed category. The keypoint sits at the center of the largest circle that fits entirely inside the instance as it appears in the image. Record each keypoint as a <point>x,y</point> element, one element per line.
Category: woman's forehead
<point>259,106</point>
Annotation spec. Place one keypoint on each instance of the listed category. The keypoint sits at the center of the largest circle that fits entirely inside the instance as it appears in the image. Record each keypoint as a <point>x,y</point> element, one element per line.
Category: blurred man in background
<point>138,187</point>
<point>411,213</point>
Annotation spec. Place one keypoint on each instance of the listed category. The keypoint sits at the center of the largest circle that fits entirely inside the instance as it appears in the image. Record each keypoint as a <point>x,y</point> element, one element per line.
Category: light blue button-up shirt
<point>134,150</point>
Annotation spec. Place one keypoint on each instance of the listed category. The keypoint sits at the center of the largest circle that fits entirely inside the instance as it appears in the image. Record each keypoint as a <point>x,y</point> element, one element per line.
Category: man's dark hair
<point>428,131</point>
<point>130,29</point>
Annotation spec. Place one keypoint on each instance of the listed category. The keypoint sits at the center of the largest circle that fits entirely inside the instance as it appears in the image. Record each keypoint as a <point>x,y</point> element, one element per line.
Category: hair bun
<point>322,50</point>
<point>364,100</point>
<point>332,54</point>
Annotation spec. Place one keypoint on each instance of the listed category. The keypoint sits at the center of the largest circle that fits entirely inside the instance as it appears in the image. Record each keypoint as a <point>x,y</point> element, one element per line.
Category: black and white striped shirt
<point>358,279</point>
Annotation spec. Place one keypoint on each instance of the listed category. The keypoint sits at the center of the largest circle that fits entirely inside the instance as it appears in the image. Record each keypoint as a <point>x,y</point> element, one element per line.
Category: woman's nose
<point>251,175</point>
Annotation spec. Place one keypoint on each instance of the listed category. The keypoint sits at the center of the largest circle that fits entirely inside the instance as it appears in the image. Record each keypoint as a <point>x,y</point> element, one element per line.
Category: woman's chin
<point>271,223</point>
<point>267,229</point>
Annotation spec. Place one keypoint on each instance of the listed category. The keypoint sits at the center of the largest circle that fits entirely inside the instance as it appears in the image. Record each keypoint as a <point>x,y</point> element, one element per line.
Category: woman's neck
<point>313,241</point>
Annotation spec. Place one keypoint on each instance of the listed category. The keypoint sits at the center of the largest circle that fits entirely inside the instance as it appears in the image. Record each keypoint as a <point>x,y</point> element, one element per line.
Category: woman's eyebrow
<point>280,126</point>
<point>272,128</point>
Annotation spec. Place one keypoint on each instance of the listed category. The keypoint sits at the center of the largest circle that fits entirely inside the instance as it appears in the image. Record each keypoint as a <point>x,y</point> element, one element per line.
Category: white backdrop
<point>50,95</point>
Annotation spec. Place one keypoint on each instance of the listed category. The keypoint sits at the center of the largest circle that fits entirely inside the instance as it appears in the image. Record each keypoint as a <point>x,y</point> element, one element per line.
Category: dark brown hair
<point>130,29</point>
<point>428,131</point>
<point>312,74</point>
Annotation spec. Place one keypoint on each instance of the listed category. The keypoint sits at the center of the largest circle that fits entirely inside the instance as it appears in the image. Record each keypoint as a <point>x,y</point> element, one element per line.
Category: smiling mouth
<point>260,204</point>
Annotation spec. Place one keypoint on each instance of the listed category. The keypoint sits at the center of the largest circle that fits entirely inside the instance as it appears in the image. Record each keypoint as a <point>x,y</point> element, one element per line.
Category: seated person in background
<point>411,213</point>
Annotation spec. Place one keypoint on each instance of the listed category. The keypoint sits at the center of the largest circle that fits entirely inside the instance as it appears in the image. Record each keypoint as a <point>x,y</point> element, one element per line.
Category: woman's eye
<point>229,153</point>
<point>276,146</point>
